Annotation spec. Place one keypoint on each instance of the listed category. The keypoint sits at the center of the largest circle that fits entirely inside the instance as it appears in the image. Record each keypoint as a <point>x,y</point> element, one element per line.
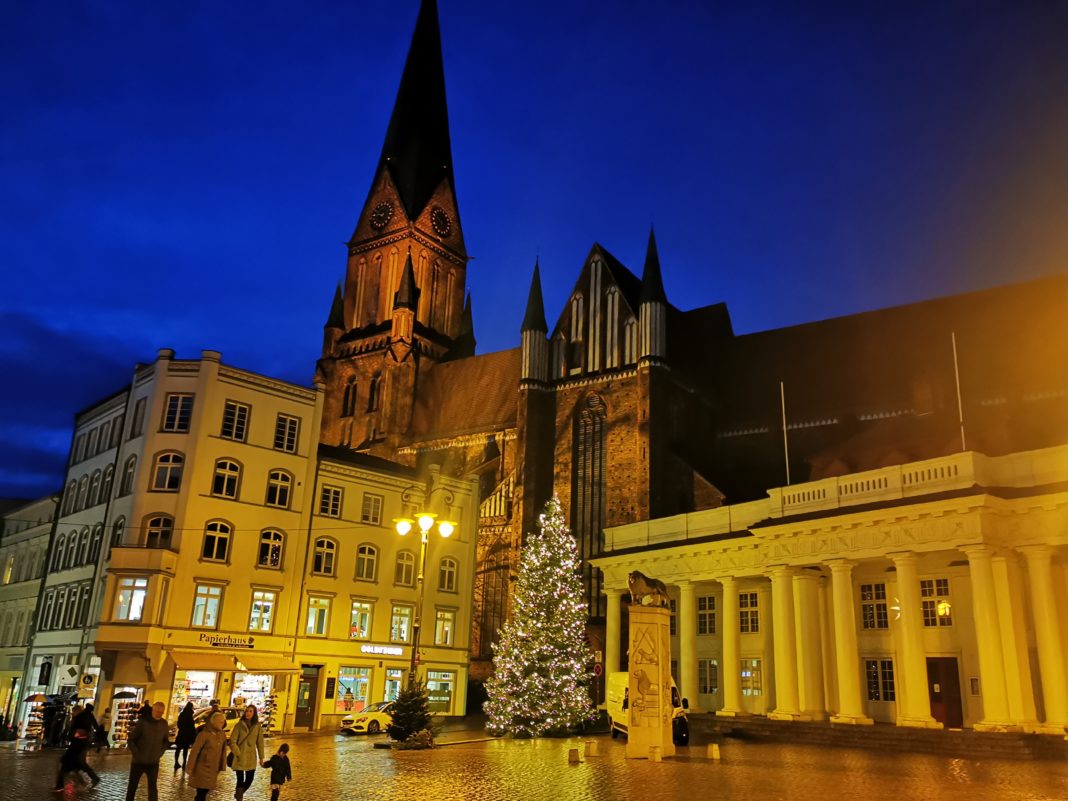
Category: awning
<point>203,660</point>
<point>266,663</point>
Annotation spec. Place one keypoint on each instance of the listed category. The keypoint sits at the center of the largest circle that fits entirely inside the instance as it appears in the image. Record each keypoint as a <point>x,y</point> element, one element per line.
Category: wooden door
<point>943,686</point>
<point>307,697</point>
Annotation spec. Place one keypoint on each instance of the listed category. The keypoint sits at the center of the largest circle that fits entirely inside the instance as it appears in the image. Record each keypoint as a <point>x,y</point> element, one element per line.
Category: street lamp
<point>425,521</point>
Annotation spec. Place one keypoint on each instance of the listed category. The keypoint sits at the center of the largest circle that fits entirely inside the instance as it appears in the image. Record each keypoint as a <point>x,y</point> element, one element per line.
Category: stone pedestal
<point>649,708</point>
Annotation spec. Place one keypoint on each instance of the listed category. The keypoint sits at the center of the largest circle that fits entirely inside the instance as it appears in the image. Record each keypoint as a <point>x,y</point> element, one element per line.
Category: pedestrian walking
<point>102,729</point>
<point>186,736</point>
<point>215,707</point>
<point>73,761</point>
<point>83,729</point>
<point>280,770</point>
<point>207,757</point>
<point>246,744</point>
<point>147,743</point>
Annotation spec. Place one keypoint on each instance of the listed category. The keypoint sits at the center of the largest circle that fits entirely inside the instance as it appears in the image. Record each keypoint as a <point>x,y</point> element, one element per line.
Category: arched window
<point>167,472</point>
<point>59,608</point>
<point>128,471</point>
<point>83,493</point>
<point>278,485</point>
<point>372,393</point>
<point>72,550</point>
<point>348,403</point>
<point>83,547</point>
<point>105,435</point>
<point>447,575</point>
<point>69,497</point>
<point>46,614</point>
<point>57,554</point>
<point>404,575</point>
<point>323,557</point>
<point>94,488</point>
<point>117,530</point>
<point>588,492</point>
<point>216,541</point>
<point>227,475</point>
<point>105,485</point>
<point>630,342</point>
<point>366,562</point>
<point>271,543</point>
<point>159,530</point>
<point>611,328</point>
<point>98,543</point>
<point>71,612</point>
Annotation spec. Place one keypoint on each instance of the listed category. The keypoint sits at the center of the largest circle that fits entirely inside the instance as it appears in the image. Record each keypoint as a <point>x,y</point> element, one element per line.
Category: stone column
<point>1009,599</point>
<point>850,707</point>
<point>914,702</point>
<point>688,642</point>
<point>1047,635</point>
<point>611,632</point>
<point>988,638</point>
<point>730,677</point>
<point>784,642</point>
<point>809,645</point>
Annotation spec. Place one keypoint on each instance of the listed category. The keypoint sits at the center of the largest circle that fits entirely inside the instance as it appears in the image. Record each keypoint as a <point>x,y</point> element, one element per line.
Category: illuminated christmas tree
<point>540,676</point>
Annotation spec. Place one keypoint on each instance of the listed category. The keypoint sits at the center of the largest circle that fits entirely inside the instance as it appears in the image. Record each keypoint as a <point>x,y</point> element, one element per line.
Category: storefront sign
<point>386,650</point>
<point>226,641</point>
<point>331,687</point>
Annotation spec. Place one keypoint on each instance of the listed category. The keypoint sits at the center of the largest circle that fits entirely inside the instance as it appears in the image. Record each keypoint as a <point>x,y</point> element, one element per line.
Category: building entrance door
<point>943,686</point>
<point>307,696</point>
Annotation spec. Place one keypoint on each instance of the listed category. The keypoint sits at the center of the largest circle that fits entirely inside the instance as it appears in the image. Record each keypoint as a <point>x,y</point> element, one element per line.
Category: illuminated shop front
<point>440,690</point>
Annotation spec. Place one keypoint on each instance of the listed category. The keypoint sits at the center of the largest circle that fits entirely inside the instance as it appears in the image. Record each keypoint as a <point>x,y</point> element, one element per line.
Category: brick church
<point>626,406</point>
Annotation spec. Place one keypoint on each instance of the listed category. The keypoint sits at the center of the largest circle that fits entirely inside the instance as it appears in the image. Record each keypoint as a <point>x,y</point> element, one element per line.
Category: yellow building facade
<point>931,594</point>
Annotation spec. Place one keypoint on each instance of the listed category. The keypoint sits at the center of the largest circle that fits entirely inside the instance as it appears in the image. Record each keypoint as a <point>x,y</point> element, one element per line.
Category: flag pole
<point>785,442</point>
<point>960,406</point>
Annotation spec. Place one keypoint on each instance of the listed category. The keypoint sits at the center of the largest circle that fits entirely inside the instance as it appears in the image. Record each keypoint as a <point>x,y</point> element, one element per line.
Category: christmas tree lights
<point>541,670</point>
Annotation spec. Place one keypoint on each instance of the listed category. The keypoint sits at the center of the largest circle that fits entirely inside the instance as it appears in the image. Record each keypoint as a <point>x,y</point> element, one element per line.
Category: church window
<point>611,343</point>
<point>167,472</point>
<point>630,342</point>
<point>227,476</point>
<point>588,505</point>
<point>235,421</point>
<point>392,283</point>
<point>373,392</point>
<point>177,412</point>
<point>348,401</point>
<point>559,356</point>
<point>286,432</point>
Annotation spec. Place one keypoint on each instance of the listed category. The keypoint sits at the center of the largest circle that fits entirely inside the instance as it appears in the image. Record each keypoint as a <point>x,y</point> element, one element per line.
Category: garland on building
<point>541,671</point>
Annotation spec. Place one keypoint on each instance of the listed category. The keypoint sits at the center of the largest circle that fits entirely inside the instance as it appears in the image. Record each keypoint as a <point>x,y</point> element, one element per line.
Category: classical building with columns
<point>932,593</point>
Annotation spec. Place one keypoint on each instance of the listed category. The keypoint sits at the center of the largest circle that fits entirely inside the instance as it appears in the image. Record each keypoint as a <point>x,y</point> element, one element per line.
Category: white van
<point>617,704</point>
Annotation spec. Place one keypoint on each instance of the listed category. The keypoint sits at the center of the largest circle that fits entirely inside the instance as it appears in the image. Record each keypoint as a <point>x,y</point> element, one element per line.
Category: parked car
<point>618,703</point>
<point>370,720</point>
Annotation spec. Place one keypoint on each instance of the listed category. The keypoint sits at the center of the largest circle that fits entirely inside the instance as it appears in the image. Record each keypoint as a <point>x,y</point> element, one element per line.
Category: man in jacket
<point>147,743</point>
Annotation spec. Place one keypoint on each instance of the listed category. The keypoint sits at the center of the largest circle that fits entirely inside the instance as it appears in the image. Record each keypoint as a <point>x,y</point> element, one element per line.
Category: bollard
<point>654,753</point>
<point>572,756</point>
<point>591,748</point>
<point>713,750</point>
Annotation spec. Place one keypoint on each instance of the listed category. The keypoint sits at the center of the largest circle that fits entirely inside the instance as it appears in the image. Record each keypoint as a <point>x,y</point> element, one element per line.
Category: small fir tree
<point>540,679</point>
<point>411,715</point>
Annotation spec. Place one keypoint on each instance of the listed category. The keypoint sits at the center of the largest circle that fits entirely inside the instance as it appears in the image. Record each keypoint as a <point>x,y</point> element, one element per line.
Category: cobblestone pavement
<point>327,767</point>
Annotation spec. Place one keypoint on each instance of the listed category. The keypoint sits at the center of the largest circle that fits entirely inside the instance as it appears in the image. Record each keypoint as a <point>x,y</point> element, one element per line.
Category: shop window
<point>195,686</point>
<point>261,616</point>
<point>366,562</point>
<point>226,478</point>
<point>934,600</point>
<point>323,557</point>
<point>873,614</point>
<point>706,614</point>
<point>207,602</point>
<point>748,613</point>
<point>360,621</point>
<point>400,625</point>
<point>440,689</point>
<point>707,676</point>
<point>371,511</point>
<point>353,689</point>
<point>216,546</point>
<point>394,682</point>
<point>330,501</point>
<point>447,575</point>
<point>279,483</point>
<point>444,625</point>
<point>271,543</point>
<point>167,472</point>
<point>404,575</point>
<point>130,599</point>
<point>254,688</point>
<point>235,421</point>
<point>752,677</point>
<point>177,412</point>
<point>318,615</point>
<point>286,431</point>
<point>879,674</point>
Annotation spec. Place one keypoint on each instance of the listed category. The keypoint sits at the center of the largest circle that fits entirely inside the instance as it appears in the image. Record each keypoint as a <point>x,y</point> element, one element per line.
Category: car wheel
<point>682,733</point>
<point>372,727</point>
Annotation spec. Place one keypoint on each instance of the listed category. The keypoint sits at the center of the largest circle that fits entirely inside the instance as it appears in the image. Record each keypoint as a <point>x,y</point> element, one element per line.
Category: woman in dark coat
<point>186,736</point>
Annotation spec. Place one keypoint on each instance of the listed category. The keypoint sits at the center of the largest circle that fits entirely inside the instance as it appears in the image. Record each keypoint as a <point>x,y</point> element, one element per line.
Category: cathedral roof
<point>417,151</point>
<point>465,396</point>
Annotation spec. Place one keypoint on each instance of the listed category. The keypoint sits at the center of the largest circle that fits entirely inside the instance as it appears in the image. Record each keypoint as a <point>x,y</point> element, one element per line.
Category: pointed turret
<point>652,282</point>
<point>534,319</point>
<point>407,294</point>
<point>337,313</point>
<point>652,310</point>
<point>417,150</point>
<point>464,344</point>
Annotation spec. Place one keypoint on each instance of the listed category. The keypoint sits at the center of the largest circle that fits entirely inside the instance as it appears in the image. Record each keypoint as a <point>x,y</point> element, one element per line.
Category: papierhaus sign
<point>227,641</point>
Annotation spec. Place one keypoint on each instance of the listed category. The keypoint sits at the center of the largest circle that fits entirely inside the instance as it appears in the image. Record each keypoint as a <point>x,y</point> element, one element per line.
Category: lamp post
<point>425,521</point>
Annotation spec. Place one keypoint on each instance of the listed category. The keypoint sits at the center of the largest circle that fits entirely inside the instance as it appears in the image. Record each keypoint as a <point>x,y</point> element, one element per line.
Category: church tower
<point>407,256</point>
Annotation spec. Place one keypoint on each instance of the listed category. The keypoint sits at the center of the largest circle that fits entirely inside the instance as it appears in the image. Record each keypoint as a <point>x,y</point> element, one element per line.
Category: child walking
<point>280,771</point>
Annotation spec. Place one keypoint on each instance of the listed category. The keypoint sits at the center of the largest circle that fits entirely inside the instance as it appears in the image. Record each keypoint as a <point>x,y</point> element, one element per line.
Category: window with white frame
<point>177,412</point>
<point>360,620</point>
<point>935,603</point>
<point>405,572</point>
<point>167,472</point>
<point>366,562</point>
<point>751,677</point>
<point>279,483</point>
<point>371,511</point>
<point>318,616</point>
<point>707,676</point>
<point>400,624</point>
<point>94,488</point>
<point>323,557</point>
<point>105,485</point>
<point>261,614</point>
<point>447,574</point>
<point>286,431</point>
<point>879,675</point>
<point>159,530</point>
<point>235,421</point>
<point>748,613</point>
<point>706,614</point>
<point>207,602</point>
<point>270,555</point>
<point>444,624</point>
<point>226,478</point>
<point>873,610</point>
<point>216,541</point>
<point>330,501</point>
<point>46,613</point>
<point>130,598</point>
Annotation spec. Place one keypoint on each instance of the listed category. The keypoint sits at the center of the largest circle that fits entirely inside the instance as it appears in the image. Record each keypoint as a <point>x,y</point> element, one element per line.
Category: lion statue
<point>645,591</point>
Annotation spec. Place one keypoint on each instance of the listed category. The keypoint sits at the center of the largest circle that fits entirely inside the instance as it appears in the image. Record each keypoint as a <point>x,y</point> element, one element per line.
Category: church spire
<point>652,282</point>
<point>417,151</point>
<point>534,319</point>
<point>337,311</point>
<point>407,294</point>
